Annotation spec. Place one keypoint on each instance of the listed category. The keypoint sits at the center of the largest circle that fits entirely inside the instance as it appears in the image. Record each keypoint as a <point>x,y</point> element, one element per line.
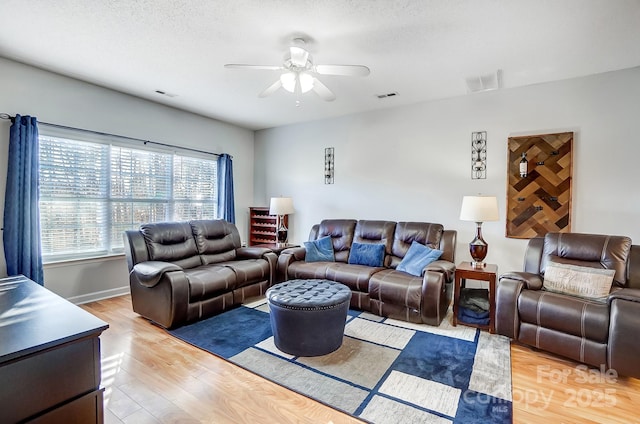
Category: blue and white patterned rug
<point>386,371</point>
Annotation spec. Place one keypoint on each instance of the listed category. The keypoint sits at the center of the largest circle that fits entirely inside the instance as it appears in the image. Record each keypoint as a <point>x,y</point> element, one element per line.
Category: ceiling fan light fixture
<point>299,73</point>
<point>306,81</point>
<point>288,80</point>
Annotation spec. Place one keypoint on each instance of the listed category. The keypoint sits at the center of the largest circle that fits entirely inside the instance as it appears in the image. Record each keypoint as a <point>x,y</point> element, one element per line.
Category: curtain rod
<point>6,116</point>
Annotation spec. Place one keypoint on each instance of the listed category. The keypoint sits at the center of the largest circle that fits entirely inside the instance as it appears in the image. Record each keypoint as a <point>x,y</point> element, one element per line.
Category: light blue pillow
<point>418,256</point>
<point>320,250</point>
<point>366,254</point>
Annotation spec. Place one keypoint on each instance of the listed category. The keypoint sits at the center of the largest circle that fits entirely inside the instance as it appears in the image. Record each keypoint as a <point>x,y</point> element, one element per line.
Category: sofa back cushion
<point>171,242</point>
<point>425,233</point>
<point>376,232</point>
<point>341,232</point>
<point>589,250</point>
<point>216,240</point>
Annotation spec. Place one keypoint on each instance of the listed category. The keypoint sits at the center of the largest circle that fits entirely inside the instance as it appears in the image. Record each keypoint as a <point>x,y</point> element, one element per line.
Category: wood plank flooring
<point>152,377</point>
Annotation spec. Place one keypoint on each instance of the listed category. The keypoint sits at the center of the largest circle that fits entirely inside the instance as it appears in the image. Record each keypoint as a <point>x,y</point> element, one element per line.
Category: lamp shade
<point>281,206</point>
<point>479,208</point>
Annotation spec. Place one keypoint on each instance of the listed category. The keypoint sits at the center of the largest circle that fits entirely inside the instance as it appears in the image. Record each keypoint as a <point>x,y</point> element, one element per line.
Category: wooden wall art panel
<point>539,202</point>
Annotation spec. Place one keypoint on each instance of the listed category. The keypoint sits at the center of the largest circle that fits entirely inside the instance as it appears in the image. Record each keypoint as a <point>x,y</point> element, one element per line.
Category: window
<point>90,192</point>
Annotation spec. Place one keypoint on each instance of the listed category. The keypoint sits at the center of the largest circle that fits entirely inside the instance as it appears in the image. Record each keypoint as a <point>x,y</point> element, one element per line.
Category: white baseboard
<point>100,295</point>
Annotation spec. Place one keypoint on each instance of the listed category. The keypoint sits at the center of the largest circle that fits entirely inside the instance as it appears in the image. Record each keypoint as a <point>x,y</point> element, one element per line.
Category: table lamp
<point>281,206</point>
<point>479,209</point>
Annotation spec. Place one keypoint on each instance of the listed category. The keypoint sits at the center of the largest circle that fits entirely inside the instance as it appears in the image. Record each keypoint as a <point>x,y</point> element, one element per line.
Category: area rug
<point>386,371</point>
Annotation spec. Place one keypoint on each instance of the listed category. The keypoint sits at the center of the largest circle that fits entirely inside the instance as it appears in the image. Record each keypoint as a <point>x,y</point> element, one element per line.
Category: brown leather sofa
<point>181,272</point>
<point>592,332</point>
<point>382,290</point>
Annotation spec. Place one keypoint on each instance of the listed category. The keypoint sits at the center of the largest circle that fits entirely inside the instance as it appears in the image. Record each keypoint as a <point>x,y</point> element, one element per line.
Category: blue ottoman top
<point>308,294</point>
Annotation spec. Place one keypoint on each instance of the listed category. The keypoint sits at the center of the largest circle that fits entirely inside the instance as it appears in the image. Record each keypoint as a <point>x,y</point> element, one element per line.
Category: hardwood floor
<point>152,377</point>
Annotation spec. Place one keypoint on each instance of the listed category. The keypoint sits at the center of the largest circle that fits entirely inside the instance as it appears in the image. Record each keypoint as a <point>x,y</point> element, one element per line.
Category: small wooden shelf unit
<point>263,228</point>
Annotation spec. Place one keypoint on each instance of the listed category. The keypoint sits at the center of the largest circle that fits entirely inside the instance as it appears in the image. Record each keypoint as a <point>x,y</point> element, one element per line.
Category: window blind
<point>91,192</point>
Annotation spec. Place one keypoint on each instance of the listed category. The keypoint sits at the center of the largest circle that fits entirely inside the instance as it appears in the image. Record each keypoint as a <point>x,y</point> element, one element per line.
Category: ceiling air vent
<point>384,96</point>
<point>164,93</point>
<point>485,82</point>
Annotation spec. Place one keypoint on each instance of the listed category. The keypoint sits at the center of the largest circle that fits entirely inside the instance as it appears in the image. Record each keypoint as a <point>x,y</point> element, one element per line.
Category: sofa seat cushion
<point>209,280</point>
<point>248,271</point>
<point>566,314</point>
<point>356,277</point>
<point>302,270</point>
<point>396,287</point>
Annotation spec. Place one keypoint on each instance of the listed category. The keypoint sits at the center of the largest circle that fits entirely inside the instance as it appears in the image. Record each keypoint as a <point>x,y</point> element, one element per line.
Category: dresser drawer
<point>49,378</point>
<point>86,409</point>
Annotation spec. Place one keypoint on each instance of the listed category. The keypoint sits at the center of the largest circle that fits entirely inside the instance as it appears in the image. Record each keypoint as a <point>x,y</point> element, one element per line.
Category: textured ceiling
<point>421,49</point>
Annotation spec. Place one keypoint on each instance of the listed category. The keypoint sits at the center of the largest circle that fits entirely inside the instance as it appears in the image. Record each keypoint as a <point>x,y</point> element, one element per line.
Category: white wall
<point>65,101</point>
<point>413,162</point>
<point>406,163</point>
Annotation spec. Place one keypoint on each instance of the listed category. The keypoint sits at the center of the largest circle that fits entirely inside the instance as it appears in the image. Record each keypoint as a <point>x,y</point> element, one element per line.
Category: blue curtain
<point>21,236</point>
<point>226,207</point>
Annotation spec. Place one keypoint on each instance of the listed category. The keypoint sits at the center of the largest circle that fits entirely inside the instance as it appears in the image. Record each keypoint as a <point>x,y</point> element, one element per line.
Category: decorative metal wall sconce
<point>478,155</point>
<point>328,165</point>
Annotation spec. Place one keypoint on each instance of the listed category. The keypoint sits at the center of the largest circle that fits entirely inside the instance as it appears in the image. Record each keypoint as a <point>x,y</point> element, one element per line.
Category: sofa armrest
<point>445,267</point>
<point>299,253</point>
<point>251,252</point>
<point>149,273</point>
<point>624,322</point>
<point>436,296</point>
<point>631,295</point>
<point>530,280</point>
<point>508,291</point>
<point>166,303</point>
<point>286,258</point>
<point>507,316</point>
<point>260,253</point>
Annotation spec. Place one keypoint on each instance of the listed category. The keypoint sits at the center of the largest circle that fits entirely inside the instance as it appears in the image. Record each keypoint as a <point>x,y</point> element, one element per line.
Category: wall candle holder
<point>479,155</point>
<point>328,165</point>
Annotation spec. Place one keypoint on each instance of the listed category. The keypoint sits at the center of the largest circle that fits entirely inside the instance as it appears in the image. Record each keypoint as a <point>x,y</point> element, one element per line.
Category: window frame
<point>110,200</point>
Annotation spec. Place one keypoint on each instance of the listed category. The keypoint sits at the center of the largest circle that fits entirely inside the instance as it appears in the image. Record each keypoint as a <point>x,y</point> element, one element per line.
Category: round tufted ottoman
<point>308,316</point>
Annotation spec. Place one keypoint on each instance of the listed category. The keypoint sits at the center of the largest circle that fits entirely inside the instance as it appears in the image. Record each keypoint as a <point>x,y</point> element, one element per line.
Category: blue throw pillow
<point>320,250</point>
<point>418,256</point>
<point>366,254</point>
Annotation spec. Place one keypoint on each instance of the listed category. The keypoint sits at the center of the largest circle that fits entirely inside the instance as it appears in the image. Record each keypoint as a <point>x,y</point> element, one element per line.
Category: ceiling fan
<point>300,72</point>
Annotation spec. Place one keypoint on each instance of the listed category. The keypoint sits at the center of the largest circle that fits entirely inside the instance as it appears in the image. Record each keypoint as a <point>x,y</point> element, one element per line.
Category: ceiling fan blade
<point>299,56</point>
<point>265,67</point>
<point>271,89</point>
<point>347,70</point>
<point>322,91</point>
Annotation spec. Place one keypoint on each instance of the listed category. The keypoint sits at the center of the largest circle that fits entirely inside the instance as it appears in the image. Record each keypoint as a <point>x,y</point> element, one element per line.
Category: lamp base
<point>282,231</point>
<point>475,264</point>
<point>478,248</point>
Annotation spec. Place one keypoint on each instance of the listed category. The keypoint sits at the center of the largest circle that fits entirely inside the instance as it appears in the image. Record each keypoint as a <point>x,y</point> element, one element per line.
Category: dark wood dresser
<point>49,357</point>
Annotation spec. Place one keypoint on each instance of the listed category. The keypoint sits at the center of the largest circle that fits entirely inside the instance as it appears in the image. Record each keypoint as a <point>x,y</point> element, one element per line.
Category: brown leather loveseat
<point>185,271</point>
<point>382,290</point>
<point>599,332</point>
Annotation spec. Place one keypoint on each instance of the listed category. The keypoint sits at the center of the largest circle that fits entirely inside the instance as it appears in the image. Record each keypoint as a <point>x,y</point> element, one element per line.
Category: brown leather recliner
<point>588,331</point>
<point>181,272</point>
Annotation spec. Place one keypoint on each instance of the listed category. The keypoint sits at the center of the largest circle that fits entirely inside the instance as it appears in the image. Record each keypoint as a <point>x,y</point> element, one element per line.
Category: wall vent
<point>384,96</point>
<point>164,93</point>
<point>485,82</point>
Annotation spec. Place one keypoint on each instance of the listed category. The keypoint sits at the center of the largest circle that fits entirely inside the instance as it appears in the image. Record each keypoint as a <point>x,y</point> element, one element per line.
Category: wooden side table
<point>489,273</point>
